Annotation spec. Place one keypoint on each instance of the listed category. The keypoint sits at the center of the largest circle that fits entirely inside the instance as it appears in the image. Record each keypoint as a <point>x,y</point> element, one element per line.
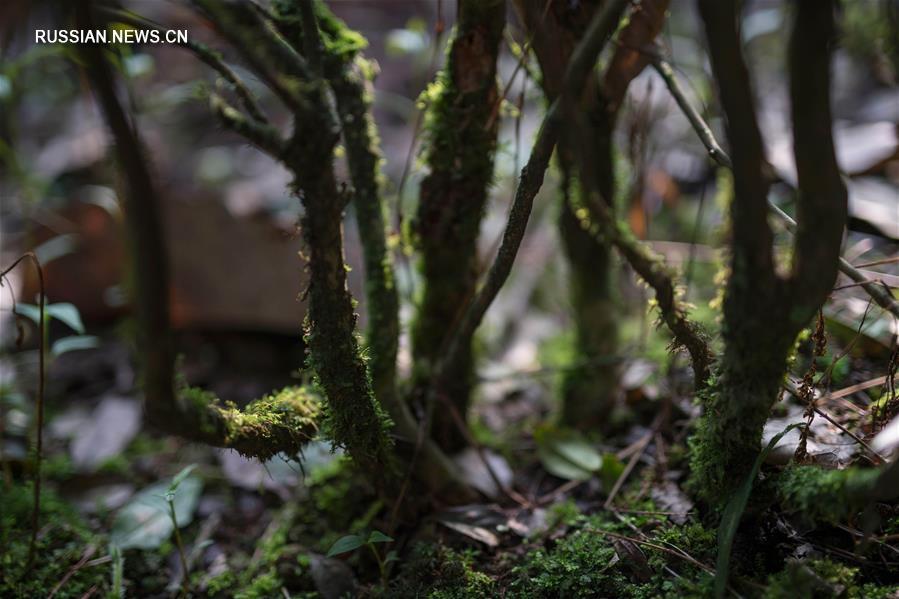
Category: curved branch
<point>261,135</point>
<point>206,54</point>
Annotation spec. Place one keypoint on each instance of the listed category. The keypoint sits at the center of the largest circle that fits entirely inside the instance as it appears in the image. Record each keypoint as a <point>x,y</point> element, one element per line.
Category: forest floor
<point>563,525</point>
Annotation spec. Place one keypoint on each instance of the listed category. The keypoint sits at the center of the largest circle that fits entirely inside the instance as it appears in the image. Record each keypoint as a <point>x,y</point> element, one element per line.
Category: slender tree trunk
<point>461,130</point>
<point>738,403</point>
<point>588,390</point>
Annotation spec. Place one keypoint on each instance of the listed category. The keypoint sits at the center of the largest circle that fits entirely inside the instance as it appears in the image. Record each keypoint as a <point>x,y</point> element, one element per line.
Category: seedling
<point>351,543</point>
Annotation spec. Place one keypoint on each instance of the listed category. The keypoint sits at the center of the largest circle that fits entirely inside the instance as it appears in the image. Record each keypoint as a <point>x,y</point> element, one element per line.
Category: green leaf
<point>730,519</point>
<point>64,312</point>
<point>377,536</point>
<point>56,247</point>
<point>179,478</point>
<point>68,314</point>
<point>73,343</point>
<point>145,521</point>
<point>566,453</point>
<point>29,311</point>
<point>346,544</point>
<point>391,557</point>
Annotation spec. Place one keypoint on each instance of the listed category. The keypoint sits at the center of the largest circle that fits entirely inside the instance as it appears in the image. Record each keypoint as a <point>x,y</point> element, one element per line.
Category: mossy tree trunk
<point>763,310</point>
<point>283,422</point>
<point>461,140</point>
<point>305,54</point>
<point>589,390</point>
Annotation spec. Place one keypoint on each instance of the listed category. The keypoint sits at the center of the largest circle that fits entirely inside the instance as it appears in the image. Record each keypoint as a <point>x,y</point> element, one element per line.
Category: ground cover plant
<point>546,397</point>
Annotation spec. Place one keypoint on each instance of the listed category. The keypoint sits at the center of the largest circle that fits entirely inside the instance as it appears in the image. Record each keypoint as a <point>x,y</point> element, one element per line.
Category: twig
<point>579,67</point>
<point>204,53</point>
<point>88,552</point>
<point>263,136</point>
<point>42,349</point>
<point>892,260</point>
<point>682,555</point>
<point>791,387</point>
<point>482,455</point>
<point>644,443</point>
<point>719,156</point>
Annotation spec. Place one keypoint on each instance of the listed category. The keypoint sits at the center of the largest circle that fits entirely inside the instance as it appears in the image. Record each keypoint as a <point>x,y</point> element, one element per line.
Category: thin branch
<point>273,59</point>
<point>877,292</point>
<point>648,265</point>
<point>720,157</point>
<point>263,136</point>
<point>312,40</point>
<point>583,59</point>
<point>206,54</point>
<point>716,152</point>
<point>791,387</point>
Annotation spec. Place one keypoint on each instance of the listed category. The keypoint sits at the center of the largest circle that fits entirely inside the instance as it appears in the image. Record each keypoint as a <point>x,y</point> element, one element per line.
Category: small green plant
<point>351,543</point>
<point>118,572</point>
<point>170,500</point>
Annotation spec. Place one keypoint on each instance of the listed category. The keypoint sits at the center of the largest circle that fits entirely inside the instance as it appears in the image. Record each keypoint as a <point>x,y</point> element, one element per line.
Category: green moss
<point>63,541</point>
<point>815,493</point>
<point>267,584</point>
<point>821,578</point>
<point>439,572</point>
<point>280,422</point>
<point>341,44</point>
<point>339,503</point>
<point>586,563</point>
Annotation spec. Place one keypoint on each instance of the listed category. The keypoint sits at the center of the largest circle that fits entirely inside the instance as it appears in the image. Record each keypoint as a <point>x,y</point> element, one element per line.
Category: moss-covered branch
<point>263,47</point>
<point>348,74</point>
<point>583,131</point>
<point>353,94</point>
<point>461,140</point>
<point>263,136</point>
<point>584,57</point>
<point>279,423</point>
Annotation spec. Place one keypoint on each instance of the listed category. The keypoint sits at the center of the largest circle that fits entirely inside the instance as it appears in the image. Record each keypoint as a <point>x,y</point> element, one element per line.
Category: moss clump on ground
<point>334,507</point>
<point>808,579</point>
<point>64,539</point>
<point>818,494</point>
<point>436,571</point>
<point>590,562</point>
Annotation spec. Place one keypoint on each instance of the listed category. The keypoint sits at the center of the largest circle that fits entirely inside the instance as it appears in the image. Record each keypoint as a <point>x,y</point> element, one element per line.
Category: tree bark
<point>461,137</point>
